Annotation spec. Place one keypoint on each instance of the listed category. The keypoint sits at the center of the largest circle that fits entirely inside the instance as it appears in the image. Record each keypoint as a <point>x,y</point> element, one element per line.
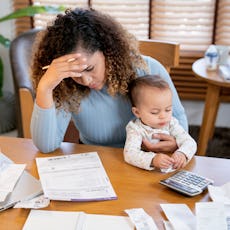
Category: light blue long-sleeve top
<point>102,118</point>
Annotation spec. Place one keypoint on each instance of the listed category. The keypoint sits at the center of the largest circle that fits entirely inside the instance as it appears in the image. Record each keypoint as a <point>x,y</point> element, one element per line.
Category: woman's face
<point>93,76</point>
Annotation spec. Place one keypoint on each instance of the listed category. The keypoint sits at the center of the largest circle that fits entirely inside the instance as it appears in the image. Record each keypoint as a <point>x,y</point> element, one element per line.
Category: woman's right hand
<point>70,65</point>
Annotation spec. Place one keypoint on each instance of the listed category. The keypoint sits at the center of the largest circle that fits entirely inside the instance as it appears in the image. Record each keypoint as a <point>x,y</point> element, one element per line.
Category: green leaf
<point>4,41</point>
<point>1,77</point>
<point>31,11</point>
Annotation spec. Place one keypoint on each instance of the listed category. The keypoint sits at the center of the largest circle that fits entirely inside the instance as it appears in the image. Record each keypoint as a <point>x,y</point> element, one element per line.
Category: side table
<point>212,100</point>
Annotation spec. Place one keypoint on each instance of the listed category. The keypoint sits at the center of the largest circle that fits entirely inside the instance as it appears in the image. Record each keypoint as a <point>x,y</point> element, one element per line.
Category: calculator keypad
<point>187,182</point>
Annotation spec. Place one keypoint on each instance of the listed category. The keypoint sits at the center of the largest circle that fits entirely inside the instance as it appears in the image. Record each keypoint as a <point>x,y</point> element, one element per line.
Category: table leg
<point>209,118</point>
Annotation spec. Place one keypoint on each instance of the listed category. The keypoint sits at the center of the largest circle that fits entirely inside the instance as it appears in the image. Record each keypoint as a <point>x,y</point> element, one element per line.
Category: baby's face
<point>155,107</point>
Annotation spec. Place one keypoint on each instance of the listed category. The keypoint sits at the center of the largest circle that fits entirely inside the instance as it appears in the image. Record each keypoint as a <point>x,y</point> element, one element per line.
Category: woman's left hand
<point>166,144</point>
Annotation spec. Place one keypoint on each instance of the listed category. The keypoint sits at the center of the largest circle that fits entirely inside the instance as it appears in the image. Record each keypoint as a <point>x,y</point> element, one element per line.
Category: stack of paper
<point>9,175</point>
<point>76,177</point>
<point>209,216</point>
<point>16,184</point>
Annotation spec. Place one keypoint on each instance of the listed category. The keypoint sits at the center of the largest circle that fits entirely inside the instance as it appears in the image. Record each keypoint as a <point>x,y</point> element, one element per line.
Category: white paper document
<point>9,175</point>
<point>59,220</point>
<point>75,177</point>
<point>180,216</point>
<point>211,216</point>
<point>141,219</point>
<point>220,193</point>
<point>34,203</point>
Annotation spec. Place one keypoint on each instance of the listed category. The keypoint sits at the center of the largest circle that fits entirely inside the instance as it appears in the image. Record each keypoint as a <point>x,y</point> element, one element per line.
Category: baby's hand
<point>179,160</point>
<point>163,161</point>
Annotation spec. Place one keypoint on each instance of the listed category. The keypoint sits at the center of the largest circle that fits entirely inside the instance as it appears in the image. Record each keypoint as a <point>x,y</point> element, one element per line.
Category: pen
<point>69,60</point>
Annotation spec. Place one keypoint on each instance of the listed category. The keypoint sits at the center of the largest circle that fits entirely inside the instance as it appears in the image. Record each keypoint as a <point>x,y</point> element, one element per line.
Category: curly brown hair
<point>92,31</point>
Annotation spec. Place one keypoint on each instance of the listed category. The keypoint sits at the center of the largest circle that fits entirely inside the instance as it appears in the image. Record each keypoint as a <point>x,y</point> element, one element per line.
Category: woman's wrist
<point>44,97</point>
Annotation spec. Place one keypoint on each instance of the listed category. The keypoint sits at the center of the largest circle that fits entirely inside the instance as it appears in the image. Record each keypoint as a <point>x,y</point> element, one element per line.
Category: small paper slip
<point>141,219</point>
<point>59,220</point>
<point>168,170</point>
<point>34,203</point>
<point>75,177</point>
<point>9,175</point>
<point>221,193</point>
<point>180,216</point>
<point>211,216</point>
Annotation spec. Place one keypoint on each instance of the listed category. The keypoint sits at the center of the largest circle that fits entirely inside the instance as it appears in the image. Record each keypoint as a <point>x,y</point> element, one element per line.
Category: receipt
<point>210,216</point>
<point>220,193</point>
<point>35,203</point>
<point>168,170</point>
<point>141,219</point>
<point>180,216</point>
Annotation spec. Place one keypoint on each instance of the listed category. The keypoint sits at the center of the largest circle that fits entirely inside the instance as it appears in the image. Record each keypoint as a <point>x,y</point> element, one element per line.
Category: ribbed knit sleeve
<point>48,128</point>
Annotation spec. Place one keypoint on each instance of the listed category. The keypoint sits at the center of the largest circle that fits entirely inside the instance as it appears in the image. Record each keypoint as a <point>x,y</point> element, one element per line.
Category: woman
<point>82,66</point>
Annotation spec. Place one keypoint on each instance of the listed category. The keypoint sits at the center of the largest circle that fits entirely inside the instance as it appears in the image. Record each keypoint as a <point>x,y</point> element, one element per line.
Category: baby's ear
<point>135,112</point>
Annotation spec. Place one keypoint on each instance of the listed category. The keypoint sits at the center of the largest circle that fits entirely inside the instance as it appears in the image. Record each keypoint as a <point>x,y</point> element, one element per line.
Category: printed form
<point>75,177</point>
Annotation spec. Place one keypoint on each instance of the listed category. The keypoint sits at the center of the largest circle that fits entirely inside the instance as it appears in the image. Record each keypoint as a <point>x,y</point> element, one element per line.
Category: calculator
<point>187,182</point>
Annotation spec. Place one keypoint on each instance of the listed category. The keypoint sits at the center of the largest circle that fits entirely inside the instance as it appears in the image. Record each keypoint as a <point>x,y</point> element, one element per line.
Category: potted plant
<point>7,101</point>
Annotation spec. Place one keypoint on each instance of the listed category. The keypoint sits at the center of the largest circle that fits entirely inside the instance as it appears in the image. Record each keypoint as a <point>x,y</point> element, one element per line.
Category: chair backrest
<point>166,52</point>
<point>20,57</point>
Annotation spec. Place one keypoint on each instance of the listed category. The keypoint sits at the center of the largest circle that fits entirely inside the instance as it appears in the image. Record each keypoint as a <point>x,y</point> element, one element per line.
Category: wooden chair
<point>20,56</point>
<point>167,53</point>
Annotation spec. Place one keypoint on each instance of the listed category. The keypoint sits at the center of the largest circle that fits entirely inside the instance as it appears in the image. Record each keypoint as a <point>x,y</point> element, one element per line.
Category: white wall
<point>194,111</point>
<point>7,29</point>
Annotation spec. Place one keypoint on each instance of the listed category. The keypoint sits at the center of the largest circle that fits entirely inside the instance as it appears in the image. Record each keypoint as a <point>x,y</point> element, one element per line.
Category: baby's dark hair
<point>137,84</point>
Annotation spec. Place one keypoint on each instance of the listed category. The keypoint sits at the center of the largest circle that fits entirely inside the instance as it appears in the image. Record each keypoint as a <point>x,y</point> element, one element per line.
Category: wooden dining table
<point>135,187</point>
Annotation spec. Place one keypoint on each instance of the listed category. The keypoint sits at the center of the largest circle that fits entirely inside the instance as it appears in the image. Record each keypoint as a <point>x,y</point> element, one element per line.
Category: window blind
<point>195,24</point>
<point>134,15</point>
<point>24,23</point>
<point>42,20</point>
<point>189,22</point>
<point>222,36</point>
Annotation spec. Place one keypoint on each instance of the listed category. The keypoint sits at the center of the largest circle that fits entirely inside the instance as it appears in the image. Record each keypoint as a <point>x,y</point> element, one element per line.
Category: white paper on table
<point>75,177</point>
<point>180,216</point>
<point>46,220</point>
<point>34,203</point>
<point>168,225</point>
<point>220,193</point>
<point>59,220</point>
<point>9,175</point>
<point>107,222</point>
<point>141,219</point>
<point>210,216</point>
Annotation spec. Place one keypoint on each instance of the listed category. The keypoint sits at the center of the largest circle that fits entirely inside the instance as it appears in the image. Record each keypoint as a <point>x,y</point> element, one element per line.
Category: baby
<point>151,99</point>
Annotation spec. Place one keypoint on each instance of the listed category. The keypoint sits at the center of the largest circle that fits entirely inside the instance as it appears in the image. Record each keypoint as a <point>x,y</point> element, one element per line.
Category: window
<point>189,22</point>
<point>195,24</point>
